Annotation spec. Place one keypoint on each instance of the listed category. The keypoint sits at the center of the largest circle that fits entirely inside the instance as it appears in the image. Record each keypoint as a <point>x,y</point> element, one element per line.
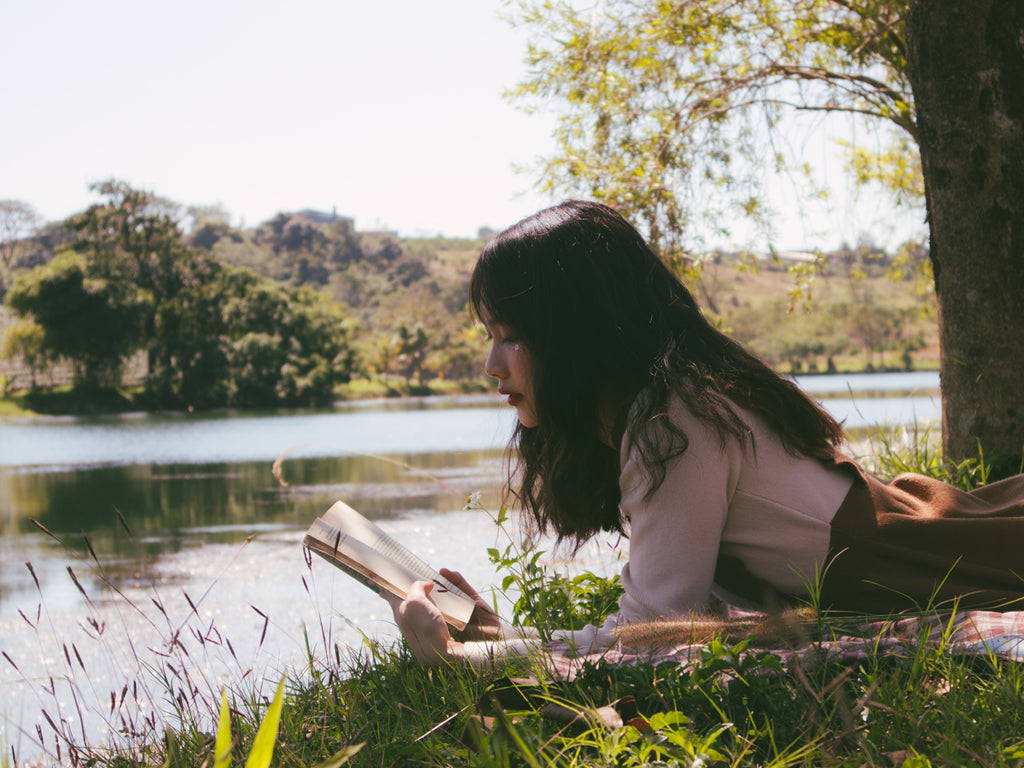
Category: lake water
<point>125,539</point>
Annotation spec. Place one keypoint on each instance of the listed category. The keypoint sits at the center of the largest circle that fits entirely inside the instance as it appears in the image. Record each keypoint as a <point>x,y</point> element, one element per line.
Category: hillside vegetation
<point>844,311</point>
<point>303,308</point>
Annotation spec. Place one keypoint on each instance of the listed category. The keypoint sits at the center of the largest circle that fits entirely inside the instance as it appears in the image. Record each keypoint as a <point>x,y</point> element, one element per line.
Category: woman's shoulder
<point>674,431</point>
<point>670,440</point>
<point>658,417</point>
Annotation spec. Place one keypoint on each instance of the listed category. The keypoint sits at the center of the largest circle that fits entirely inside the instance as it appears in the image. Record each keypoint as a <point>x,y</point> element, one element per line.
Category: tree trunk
<point>966,67</point>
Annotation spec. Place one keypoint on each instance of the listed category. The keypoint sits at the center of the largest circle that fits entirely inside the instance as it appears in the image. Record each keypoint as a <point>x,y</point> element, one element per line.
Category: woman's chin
<point>526,420</point>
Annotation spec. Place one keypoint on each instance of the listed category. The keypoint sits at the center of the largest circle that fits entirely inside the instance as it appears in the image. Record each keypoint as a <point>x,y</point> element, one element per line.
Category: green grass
<point>373,388</point>
<point>67,400</point>
<point>11,409</point>
<point>735,705</point>
<point>381,708</point>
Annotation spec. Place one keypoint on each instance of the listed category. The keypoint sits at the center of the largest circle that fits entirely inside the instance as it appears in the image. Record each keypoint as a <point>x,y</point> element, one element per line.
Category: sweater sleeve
<point>674,535</point>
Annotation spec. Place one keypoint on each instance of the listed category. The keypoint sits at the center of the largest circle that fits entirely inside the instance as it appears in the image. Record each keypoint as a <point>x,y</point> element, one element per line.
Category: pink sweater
<point>757,503</point>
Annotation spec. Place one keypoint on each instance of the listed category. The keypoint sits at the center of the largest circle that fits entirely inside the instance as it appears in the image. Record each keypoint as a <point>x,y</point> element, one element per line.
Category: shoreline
<point>361,391</point>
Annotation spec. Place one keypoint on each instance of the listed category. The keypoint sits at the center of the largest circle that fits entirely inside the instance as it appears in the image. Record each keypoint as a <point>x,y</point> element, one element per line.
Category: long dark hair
<point>607,323</point>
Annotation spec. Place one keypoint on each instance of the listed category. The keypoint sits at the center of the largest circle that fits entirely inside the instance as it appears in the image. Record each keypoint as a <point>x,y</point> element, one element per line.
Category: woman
<point>637,416</point>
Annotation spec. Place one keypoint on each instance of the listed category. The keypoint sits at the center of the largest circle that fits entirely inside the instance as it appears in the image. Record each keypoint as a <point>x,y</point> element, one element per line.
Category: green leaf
<point>342,757</point>
<point>266,736</point>
<point>222,747</point>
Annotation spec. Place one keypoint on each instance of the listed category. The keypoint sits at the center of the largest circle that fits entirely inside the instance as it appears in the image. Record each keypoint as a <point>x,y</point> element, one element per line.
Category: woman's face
<point>510,362</point>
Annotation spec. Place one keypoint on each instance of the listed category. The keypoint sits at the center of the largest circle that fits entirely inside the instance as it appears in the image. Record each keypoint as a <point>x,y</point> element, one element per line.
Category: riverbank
<point>11,409</point>
<point>66,401</point>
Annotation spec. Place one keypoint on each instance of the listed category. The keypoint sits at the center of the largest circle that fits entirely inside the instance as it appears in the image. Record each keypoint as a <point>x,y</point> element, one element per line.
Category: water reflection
<point>148,509</point>
<point>158,498</point>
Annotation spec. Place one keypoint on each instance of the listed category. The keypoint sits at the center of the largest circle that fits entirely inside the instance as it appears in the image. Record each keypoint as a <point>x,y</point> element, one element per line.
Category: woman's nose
<point>494,365</point>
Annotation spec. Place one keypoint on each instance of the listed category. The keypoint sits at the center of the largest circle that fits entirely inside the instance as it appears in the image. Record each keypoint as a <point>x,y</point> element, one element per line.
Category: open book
<point>349,541</point>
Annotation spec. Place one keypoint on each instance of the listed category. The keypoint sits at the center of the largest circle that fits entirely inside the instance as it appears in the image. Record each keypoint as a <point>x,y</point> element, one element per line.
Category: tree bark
<point>966,68</point>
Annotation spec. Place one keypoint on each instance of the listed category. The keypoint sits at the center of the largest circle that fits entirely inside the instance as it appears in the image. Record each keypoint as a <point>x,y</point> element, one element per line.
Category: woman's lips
<point>515,400</point>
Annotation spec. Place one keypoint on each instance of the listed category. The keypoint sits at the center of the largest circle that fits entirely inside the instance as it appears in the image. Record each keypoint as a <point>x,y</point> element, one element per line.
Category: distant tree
<point>210,223</point>
<point>386,348</point>
<point>409,270</point>
<point>877,329</point>
<point>194,370</point>
<point>132,239</point>
<point>44,243</point>
<point>18,219</point>
<point>215,335</point>
<point>345,243</point>
<point>25,340</point>
<point>384,250</point>
<point>132,229</point>
<point>461,357</point>
<point>282,346</point>
<point>305,248</point>
<point>92,322</point>
<point>413,346</point>
<point>209,234</point>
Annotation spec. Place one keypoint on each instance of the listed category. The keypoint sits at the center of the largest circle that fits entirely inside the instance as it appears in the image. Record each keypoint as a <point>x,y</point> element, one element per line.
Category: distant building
<point>320,217</point>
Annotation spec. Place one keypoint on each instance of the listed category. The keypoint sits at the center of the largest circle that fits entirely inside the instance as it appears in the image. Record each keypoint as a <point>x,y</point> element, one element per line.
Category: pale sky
<point>387,111</point>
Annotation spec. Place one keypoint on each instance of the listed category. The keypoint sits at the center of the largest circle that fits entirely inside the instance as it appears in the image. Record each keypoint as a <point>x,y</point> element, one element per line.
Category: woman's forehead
<point>492,321</point>
<point>487,318</point>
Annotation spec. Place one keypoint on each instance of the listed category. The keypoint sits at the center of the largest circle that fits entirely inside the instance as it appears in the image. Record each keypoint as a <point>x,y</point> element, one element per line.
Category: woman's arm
<point>675,532</point>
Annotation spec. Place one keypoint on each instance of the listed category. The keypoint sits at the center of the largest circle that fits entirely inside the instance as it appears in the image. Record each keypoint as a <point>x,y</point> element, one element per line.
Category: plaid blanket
<point>981,633</point>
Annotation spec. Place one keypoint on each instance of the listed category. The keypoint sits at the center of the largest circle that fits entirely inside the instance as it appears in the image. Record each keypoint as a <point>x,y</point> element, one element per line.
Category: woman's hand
<point>423,626</point>
<point>484,624</point>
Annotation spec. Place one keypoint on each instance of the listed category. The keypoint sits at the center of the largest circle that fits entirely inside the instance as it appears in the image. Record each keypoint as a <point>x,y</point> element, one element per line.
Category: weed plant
<point>735,704</point>
<point>548,599</point>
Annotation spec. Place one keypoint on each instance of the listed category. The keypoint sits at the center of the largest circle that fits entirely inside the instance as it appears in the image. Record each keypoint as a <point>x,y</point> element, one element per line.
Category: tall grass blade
<point>263,744</point>
<point>341,757</point>
<point>222,746</point>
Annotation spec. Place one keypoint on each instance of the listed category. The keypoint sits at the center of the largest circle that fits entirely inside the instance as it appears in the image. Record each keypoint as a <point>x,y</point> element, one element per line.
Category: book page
<point>351,542</point>
<point>342,517</point>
